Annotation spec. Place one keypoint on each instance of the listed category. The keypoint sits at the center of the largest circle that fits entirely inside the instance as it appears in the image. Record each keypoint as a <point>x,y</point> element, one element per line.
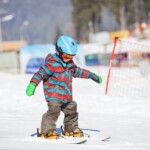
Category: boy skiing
<point>57,73</point>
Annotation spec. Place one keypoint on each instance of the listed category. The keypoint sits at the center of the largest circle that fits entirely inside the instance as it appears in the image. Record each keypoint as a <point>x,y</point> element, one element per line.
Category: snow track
<point>125,120</point>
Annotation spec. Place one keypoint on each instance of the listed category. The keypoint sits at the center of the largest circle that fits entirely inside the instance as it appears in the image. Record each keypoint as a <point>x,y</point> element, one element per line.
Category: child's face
<point>67,57</point>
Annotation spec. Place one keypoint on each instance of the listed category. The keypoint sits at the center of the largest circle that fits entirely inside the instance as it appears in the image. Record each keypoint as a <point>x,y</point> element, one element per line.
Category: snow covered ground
<point>127,121</point>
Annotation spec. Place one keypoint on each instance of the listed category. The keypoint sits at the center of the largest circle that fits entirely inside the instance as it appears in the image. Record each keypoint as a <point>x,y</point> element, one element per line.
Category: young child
<point>57,73</point>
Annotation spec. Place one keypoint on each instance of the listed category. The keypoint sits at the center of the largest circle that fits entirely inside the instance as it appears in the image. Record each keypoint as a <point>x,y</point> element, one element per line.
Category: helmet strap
<point>59,52</point>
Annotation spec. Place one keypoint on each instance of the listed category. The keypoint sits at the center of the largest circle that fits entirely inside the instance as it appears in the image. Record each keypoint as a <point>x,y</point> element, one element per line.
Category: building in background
<point>32,57</point>
<point>9,55</point>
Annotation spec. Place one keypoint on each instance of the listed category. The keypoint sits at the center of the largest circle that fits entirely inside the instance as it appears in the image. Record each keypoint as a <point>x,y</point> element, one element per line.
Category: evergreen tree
<point>126,12</point>
<point>84,12</point>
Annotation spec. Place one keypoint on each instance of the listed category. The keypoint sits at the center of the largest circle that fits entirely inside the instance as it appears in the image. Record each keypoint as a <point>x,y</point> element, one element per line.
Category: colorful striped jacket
<point>57,78</point>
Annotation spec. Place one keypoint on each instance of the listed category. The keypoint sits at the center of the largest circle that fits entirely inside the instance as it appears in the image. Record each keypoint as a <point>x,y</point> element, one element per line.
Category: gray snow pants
<point>50,117</point>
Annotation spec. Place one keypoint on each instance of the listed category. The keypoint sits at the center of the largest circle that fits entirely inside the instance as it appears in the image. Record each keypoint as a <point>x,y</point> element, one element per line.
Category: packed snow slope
<point>127,121</point>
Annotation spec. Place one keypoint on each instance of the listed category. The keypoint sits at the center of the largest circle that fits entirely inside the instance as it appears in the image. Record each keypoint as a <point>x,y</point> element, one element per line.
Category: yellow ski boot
<point>52,135</point>
<point>78,133</point>
<point>42,135</point>
<point>68,133</point>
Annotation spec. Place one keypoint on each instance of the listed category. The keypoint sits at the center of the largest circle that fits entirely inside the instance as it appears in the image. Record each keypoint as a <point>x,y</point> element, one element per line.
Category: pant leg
<point>71,116</point>
<point>50,117</point>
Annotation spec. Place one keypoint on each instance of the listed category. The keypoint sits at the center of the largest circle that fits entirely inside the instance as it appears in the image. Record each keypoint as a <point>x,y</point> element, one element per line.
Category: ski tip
<point>106,139</point>
<point>84,141</point>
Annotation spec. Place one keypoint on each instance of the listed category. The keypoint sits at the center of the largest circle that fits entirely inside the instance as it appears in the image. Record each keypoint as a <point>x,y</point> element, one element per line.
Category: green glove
<point>100,79</point>
<point>30,89</point>
<point>96,78</point>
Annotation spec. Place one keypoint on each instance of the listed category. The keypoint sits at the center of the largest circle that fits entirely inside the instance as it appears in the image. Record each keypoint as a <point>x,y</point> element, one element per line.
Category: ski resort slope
<point>126,121</point>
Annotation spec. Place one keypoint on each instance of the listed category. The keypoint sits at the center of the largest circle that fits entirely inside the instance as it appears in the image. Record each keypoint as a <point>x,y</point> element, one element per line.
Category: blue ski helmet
<point>66,44</point>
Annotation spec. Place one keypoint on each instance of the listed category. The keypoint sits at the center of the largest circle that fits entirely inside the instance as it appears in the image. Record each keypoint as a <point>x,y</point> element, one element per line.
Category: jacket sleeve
<point>42,74</point>
<point>81,73</point>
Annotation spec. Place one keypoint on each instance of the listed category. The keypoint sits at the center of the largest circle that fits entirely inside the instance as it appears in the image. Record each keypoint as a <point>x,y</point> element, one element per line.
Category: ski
<point>74,140</point>
<point>100,139</point>
<point>62,138</point>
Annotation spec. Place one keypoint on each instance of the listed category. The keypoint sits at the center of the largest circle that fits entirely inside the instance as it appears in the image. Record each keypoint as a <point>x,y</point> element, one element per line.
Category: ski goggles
<point>67,56</point>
